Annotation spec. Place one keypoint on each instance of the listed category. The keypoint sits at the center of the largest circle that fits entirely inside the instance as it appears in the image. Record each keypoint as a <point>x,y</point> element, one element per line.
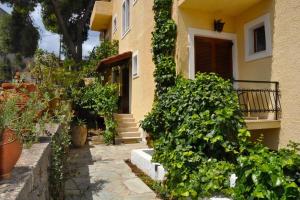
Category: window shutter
<point>203,55</point>
<point>224,58</point>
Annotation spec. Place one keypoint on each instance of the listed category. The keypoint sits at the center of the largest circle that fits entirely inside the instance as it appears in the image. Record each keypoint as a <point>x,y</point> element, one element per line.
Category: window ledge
<point>124,34</point>
<point>259,55</point>
<point>135,76</point>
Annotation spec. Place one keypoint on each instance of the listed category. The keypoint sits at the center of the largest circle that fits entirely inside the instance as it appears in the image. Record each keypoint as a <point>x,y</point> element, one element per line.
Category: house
<point>257,47</point>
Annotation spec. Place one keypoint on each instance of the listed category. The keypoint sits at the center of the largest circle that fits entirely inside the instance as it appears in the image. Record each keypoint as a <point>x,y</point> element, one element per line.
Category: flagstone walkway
<point>98,172</point>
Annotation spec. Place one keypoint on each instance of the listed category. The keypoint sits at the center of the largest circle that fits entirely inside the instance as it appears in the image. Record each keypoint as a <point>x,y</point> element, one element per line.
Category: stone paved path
<point>99,173</point>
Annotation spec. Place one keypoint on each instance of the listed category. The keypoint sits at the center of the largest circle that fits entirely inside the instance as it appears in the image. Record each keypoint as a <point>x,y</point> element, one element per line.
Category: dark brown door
<point>213,55</point>
<point>125,90</point>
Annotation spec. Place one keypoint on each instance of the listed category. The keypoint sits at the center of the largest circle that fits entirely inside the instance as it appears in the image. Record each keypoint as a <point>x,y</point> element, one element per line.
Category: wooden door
<point>125,90</point>
<point>213,55</point>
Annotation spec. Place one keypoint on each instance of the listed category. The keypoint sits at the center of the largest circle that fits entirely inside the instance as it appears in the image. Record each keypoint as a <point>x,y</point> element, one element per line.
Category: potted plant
<point>18,129</point>
<point>10,144</point>
<point>79,132</point>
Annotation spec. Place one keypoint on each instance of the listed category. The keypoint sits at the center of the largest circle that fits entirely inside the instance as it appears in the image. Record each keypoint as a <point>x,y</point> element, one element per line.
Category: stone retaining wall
<point>29,179</point>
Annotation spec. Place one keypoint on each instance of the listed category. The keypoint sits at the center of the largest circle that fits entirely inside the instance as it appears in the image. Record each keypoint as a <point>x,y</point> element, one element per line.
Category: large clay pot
<point>29,87</point>
<point>10,152</point>
<point>79,135</point>
<point>8,86</point>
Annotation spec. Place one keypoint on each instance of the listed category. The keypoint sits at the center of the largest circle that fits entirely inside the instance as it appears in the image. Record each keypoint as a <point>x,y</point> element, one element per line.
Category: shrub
<point>264,174</point>
<point>199,130</point>
<point>103,99</point>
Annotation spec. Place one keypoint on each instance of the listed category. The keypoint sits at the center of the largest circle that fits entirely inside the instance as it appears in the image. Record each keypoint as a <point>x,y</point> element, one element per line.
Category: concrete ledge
<point>142,159</point>
<point>262,124</point>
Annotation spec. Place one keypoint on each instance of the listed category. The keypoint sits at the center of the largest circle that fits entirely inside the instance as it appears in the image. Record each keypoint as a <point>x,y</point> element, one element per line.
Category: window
<point>125,17</point>
<point>114,24</point>
<point>258,38</point>
<point>135,65</point>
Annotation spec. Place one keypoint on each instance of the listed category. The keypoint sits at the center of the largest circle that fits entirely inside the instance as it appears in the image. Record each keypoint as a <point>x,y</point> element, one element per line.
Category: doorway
<point>124,90</point>
<point>214,55</point>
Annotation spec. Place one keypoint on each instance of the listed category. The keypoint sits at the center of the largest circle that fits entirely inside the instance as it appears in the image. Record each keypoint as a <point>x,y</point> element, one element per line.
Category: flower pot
<point>79,135</point>
<point>8,86</point>
<point>28,87</point>
<point>10,152</point>
<point>53,103</point>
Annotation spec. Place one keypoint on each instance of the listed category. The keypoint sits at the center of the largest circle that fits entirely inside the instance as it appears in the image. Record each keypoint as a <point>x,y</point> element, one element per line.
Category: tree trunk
<point>67,38</point>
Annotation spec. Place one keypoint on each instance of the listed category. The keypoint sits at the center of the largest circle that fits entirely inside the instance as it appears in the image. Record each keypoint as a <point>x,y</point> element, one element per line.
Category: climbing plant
<point>163,44</point>
<point>60,144</point>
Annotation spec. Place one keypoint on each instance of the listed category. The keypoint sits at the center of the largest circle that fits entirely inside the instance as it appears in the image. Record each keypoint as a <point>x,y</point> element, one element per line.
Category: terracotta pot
<point>8,86</point>
<point>53,104</point>
<point>10,152</point>
<point>29,87</point>
<point>79,135</point>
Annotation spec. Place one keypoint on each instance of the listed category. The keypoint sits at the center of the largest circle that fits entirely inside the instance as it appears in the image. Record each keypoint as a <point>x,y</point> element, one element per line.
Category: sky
<point>50,41</point>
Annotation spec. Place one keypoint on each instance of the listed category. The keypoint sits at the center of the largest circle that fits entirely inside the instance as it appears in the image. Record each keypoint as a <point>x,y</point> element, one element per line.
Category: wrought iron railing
<point>258,97</point>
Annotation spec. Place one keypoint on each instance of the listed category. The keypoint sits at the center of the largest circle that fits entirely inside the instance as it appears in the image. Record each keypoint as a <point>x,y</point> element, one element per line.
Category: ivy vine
<point>163,44</point>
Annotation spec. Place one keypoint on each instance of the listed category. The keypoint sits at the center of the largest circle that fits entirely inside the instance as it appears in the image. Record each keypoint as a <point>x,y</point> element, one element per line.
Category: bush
<point>198,128</point>
<point>103,99</point>
<point>264,174</point>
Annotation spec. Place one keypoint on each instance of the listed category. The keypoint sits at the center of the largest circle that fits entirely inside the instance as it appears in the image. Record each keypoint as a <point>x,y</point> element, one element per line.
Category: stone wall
<point>30,176</point>
<point>29,179</point>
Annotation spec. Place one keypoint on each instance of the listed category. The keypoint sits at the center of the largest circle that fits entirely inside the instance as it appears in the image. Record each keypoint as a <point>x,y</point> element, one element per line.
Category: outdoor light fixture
<point>219,25</point>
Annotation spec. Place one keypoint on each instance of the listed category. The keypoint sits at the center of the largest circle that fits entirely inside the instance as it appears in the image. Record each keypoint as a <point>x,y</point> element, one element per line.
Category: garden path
<point>98,172</point>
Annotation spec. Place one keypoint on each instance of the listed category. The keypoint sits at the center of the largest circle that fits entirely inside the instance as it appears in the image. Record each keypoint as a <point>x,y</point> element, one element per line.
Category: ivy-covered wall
<point>164,43</point>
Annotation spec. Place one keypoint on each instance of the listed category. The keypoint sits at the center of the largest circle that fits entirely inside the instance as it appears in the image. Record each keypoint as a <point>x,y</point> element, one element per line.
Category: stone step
<point>128,140</point>
<point>129,120</point>
<point>127,125</point>
<point>123,116</point>
<point>130,129</point>
<point>129,134</point>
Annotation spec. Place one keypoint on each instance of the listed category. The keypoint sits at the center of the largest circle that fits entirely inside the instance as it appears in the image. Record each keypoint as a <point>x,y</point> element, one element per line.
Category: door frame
<point>192,32</point>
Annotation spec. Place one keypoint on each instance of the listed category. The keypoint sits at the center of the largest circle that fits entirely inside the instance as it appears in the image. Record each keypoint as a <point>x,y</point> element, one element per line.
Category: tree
<point>18,34</point>
<point>67,17</point>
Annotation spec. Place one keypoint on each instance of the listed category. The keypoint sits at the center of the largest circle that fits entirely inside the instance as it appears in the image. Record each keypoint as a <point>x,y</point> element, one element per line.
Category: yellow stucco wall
<point>283,66</point>
<point>138,39</point>
<point>258,69</point>
<point>286,66</point>
<point>188,18</point>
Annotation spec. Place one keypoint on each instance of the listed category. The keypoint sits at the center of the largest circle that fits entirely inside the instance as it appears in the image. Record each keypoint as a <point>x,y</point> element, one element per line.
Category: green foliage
<point>5,38</point>
<point>24,123</point>
<point>18,34</point>
<point>103,99</point>
<point>264,174</point>
<point>54,78</point>
<point>60,144</point>
<point>105,50</point>
<point>200,139</point>
<point>198,130</point>
<point>163,44</point>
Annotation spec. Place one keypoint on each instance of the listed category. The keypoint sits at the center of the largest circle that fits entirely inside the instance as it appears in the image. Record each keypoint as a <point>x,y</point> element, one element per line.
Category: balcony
<point>101,15</point>
<point>226,7</point>
<point>260,103</point>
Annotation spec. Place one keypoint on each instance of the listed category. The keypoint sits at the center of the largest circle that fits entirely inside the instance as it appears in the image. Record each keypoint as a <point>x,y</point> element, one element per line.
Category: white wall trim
<point>192,32</point>
<point>248,28</point>
<point>114,28</point>
<point>136,53</point>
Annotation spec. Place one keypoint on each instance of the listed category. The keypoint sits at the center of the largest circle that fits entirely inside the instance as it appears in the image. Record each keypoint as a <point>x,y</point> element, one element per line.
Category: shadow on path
<point>81,184</point>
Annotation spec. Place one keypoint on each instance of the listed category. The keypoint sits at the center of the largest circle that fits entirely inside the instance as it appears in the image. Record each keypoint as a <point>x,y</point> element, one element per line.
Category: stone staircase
<point>128,130</point>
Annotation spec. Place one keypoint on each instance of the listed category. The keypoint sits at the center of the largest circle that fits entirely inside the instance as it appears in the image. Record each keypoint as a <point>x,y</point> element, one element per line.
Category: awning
<point>113,61</point>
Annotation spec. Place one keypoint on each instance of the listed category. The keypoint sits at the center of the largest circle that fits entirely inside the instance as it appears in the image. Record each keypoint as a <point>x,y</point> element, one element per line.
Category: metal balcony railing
<point>258,98</point>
